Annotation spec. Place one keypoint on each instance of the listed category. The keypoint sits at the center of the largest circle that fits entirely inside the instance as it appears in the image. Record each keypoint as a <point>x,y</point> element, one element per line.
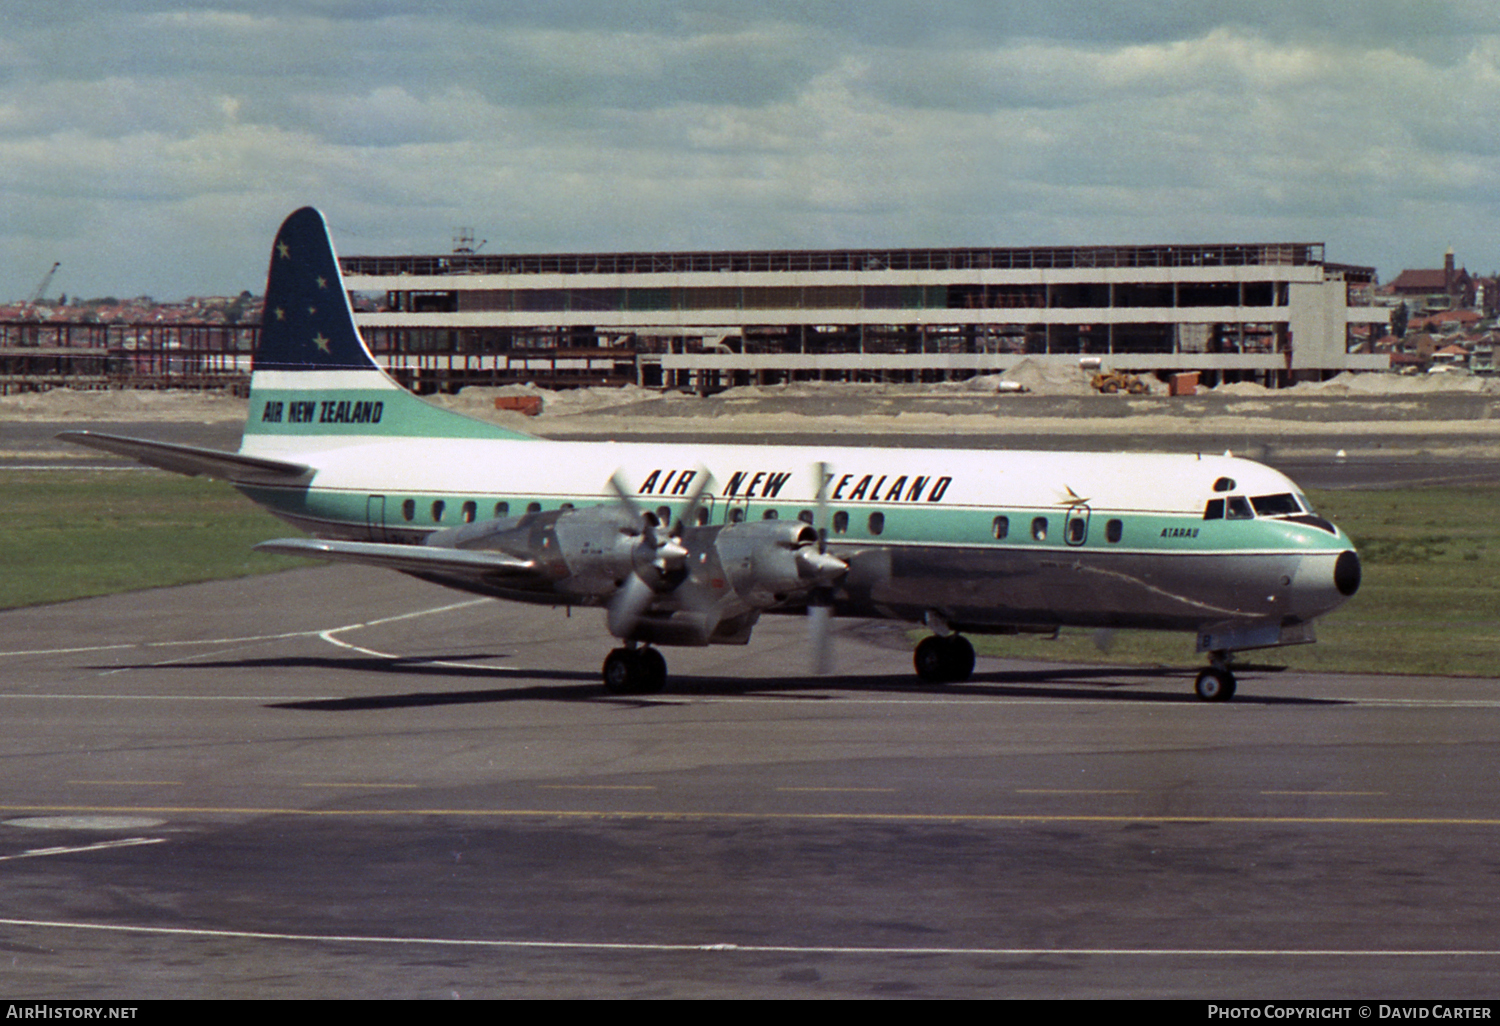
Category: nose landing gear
<point>1215,681</point>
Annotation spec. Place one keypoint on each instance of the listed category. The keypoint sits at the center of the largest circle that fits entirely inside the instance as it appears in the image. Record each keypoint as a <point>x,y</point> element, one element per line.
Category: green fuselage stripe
<point>422,513</point>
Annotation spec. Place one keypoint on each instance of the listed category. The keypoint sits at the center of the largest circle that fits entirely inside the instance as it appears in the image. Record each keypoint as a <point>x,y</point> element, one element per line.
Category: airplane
<point>692,544</point>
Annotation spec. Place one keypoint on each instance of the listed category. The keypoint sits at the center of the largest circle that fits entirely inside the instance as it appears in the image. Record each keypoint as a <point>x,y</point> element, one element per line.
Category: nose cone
<point>1346,573</point>
<point>1323,582</point>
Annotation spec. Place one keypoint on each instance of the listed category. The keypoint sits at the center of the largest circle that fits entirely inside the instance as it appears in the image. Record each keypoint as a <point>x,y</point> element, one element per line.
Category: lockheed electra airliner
<point>692,544</point>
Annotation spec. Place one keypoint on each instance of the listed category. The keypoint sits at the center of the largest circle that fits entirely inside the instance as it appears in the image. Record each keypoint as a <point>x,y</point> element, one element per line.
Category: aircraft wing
<point>191,460</point>
<point>409,558</point>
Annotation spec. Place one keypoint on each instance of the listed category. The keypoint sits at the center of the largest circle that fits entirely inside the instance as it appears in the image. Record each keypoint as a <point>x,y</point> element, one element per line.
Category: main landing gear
<point>634,671</point>
<point>1215,681</point>
<point>944,659</point>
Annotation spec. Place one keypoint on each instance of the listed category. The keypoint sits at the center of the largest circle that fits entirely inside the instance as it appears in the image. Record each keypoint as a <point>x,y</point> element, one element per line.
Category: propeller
<point>820,600</point>
<point>659,560</point>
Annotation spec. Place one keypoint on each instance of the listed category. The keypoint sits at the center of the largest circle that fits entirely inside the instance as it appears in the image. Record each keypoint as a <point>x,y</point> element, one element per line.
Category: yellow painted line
<point>881,817</point>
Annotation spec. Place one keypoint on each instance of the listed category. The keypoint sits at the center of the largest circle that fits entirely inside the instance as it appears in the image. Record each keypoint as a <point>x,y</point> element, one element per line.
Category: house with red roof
<point>1448,287</point>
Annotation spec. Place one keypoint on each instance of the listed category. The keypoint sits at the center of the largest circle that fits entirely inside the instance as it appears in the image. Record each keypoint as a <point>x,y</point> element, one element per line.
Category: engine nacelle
<point>586,554</point>
<point>766,561</point>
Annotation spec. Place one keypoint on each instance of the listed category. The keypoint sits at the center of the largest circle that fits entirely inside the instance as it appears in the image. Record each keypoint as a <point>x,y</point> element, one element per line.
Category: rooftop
<point>1026,258</point>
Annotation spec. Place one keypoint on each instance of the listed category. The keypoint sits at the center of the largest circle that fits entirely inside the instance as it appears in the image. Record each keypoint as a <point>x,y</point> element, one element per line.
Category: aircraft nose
<point>1323,582</point>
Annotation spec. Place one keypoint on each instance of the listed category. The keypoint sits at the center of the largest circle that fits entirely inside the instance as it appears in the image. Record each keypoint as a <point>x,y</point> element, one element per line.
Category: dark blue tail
<point>308,323</point>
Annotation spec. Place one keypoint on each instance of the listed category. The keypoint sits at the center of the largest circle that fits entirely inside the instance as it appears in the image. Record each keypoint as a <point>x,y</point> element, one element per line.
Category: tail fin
<point>314,381</point>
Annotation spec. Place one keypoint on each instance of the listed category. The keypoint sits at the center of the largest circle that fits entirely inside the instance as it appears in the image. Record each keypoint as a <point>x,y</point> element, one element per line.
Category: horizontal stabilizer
<point>191,460</point>
<point>409,558</point>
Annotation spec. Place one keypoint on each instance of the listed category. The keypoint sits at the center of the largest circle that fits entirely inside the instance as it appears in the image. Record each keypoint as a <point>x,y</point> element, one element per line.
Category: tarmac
<point>339,782</point>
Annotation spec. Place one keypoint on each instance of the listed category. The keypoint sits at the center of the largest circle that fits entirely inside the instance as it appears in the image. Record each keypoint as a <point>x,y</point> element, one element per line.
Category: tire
<point>653,671</point>
<point>940,660</point>
<point>1214,685</point>
<point>620,672</point>
<point>928,660</point>
<point>640,671</point>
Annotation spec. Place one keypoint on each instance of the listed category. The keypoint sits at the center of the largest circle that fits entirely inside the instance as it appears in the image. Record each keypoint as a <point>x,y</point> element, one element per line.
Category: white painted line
<point>251,637</point>
<point>328,636</point>
<point>804,949</point>
<point>128,842</point>
<point>179,698</point>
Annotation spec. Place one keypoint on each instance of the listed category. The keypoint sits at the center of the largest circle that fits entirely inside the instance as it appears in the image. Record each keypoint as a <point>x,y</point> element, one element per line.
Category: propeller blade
<point>689,516</point>
<point>820,640</point>
<point>820,566</point>
<point>629,605</point>
<point>617,485</point>
<point>820,518</point>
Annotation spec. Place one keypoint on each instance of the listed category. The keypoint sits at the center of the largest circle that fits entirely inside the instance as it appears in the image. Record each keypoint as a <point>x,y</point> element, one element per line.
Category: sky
<point>154,147</point>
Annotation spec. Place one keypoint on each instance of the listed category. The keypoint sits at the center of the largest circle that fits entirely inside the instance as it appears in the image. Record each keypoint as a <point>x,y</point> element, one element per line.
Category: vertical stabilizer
<point>308,325</point>
<point>314,381</point>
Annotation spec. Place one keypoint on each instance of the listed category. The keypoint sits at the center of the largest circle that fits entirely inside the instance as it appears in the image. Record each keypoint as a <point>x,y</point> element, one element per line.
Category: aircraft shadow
<point>1063,683</point>
<point>1093,683</point>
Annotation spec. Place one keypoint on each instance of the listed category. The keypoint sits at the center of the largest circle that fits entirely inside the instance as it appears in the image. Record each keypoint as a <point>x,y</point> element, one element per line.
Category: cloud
<point>188,130</point>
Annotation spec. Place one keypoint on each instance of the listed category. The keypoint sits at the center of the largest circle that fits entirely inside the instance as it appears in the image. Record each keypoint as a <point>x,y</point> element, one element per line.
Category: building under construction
<point>1271,313</point>
<point>1265,312</point>
<point>38,355</point>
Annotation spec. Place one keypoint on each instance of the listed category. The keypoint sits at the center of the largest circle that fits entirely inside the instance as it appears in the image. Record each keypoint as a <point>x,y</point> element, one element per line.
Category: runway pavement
<point>340,782</point>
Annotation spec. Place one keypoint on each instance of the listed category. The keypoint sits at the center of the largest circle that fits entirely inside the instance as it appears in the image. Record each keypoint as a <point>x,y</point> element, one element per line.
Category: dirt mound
<point>66,404</point>
<point>1049,379</point>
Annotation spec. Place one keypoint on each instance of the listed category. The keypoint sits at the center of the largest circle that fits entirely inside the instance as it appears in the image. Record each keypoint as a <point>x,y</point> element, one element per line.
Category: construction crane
<point>36,297</point>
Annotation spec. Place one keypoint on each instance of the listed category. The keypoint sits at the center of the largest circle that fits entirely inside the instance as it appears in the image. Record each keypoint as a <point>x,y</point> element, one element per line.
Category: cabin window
<point>736,516</point>
<point>566,505</point>
<point>471,510</point>
<point>438,506</point>
<point>840,522</point>
<point>533,507</point>
<point>1001,527</point>
<point>1039,528</point>
<point>877,523</point>
<point>502,509</point>
<point>806,516</point>
<point>1078,529</point>
<point>769,514</point>
<point>702,516</point>
<point>664,515</point>
<point>1214,510</point>
<point>1239,508</point>
<point>409,510</point>
<point>1224,484</point>
<point>1114,531</point>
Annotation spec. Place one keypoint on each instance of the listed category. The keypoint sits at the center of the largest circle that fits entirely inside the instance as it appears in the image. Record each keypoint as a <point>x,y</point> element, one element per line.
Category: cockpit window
<point>1214,510</point>
<point>1282,505</point>
<point>1239,508</point>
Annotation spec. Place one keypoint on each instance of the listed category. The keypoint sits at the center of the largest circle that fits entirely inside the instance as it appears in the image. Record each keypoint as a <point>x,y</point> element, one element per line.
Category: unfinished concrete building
<point>1271,313</point>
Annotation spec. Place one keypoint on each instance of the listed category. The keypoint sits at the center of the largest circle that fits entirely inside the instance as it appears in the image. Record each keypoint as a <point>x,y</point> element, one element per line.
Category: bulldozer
<point>1113,382</point>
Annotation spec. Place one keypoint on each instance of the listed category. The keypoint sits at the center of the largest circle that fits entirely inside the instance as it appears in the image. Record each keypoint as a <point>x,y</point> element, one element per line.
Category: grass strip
<point>1429,603</point>
<point>72,534</point>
